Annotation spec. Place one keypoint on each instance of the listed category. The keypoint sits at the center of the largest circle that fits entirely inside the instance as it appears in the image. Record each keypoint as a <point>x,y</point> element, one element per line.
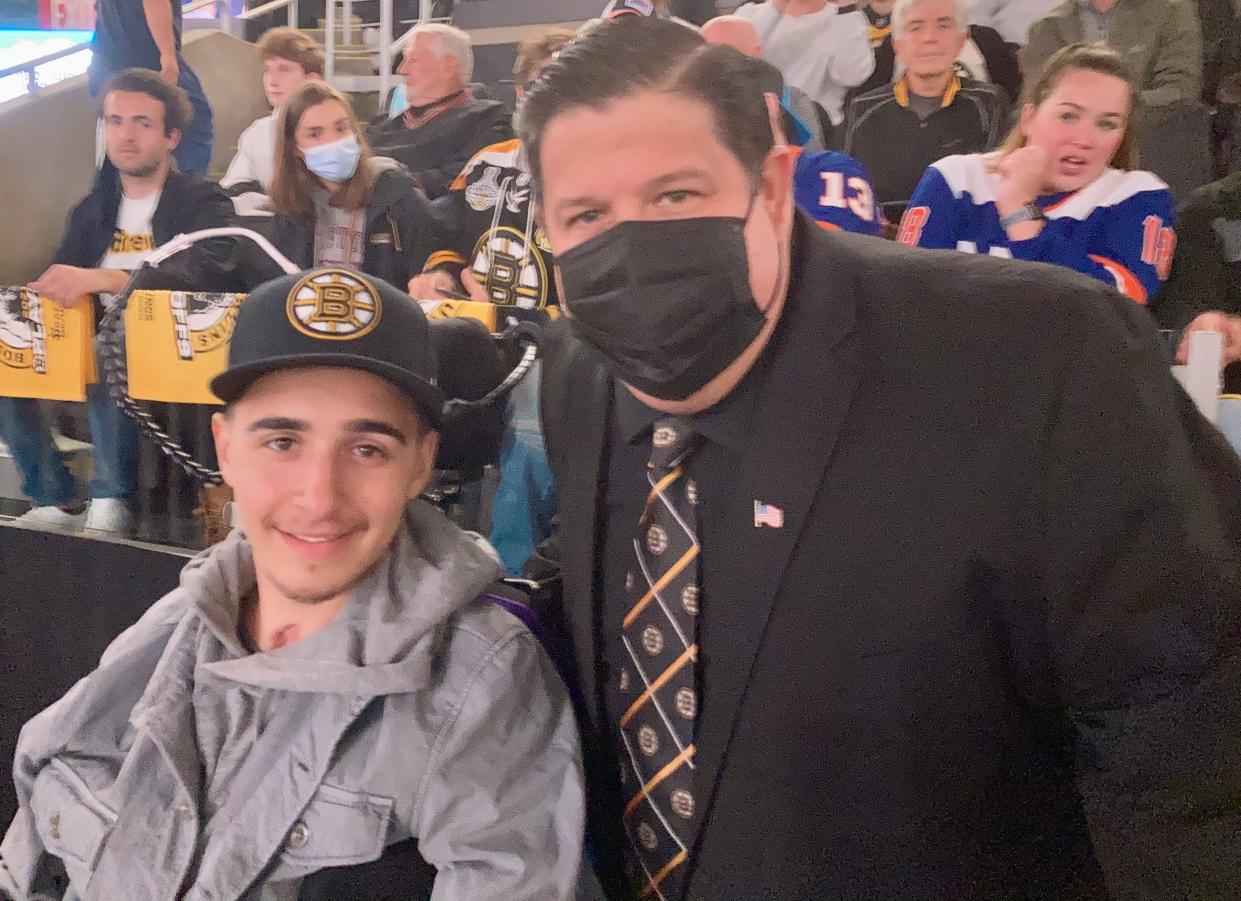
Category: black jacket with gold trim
<point>488,220</point>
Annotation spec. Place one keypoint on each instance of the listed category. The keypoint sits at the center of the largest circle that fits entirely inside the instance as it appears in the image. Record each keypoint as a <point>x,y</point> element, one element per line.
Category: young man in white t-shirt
<point>289,58</point>
<point>819,46</point>
<point>139,200</point>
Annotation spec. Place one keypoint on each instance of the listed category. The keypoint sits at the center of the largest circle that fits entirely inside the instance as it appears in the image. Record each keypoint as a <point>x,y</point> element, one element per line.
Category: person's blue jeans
<point>193,154</point>
<point>46,481</point>
<point>525,501</point>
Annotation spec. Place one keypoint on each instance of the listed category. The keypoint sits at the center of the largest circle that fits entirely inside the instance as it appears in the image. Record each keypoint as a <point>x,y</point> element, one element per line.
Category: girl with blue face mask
<point>338,205</point>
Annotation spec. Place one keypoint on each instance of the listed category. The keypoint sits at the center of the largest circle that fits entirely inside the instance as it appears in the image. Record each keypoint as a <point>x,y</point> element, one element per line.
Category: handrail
<point>226,17</point>
<point>269,7</point>
<point>31,65</point>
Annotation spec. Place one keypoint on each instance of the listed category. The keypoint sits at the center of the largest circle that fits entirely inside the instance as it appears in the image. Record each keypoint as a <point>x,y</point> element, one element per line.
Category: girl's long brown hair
<point>293,184</point>
<point>1092,58</point>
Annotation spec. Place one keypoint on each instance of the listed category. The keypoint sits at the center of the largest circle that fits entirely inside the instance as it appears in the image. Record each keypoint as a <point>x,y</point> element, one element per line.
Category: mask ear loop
<point>784,273</point>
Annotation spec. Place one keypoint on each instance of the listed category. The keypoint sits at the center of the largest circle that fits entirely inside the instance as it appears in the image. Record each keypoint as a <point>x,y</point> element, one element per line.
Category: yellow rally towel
<point>176,342</point>
<point>45,351</point>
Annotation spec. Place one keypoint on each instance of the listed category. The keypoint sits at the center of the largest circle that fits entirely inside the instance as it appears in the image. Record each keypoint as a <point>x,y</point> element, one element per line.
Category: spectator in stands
<point>1206,272</point>
<point>832,188</point>
<point>1064,187</point>
<point>879,14</point>
<point>953,566</point>
<point>1011,18</point>
<point>146,34</point>
<point>445,125</point>
<point>691,12</point>
<point>139,201</point>
<point>338,205</point>
<point>983,57</point>
<point>289,57</point>
<point>494,250</point>
<point>899,130</point>
<point>819,46</point>
<point>331,705</point>
<point>497,252</point>
<point>1160,40</point>
<point>741,35</point>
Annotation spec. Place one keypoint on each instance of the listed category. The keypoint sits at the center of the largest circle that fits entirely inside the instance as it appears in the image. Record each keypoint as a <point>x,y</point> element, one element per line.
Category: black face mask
<point>668,303</point>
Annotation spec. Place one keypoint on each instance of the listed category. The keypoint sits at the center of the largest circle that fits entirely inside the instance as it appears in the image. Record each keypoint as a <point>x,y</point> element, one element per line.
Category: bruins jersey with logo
<point>489,213</point>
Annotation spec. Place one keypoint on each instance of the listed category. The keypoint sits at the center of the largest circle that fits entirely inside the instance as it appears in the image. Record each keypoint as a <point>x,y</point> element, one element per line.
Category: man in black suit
<point>891,574</point>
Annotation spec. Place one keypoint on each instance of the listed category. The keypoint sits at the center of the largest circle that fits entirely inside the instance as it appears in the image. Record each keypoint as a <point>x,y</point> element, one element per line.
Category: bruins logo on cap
<point>334,304</point>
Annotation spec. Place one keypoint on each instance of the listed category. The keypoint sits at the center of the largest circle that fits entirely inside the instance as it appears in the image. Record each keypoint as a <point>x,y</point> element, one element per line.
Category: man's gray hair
<point>900,12</point>
<point>447,41</point>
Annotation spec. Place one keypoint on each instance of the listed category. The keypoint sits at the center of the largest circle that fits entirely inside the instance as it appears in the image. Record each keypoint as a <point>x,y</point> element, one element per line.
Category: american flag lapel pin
<point>768,515</point>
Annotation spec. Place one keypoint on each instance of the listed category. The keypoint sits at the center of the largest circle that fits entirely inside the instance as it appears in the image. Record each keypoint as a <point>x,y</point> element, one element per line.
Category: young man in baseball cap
<point>329,690</point>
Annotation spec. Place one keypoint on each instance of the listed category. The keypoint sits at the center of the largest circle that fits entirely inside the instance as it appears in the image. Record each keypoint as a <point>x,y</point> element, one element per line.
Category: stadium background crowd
<point>887,101</point>
<point>1030,132</point>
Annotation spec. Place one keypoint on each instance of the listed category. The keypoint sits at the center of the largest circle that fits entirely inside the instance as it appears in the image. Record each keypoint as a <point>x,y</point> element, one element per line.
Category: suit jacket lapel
<point>577,398</point>
<point>808,389</point>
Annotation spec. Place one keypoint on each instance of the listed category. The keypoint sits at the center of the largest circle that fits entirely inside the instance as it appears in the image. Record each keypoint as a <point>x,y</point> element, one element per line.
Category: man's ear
<point>776,184</point>
<point>222,432</point>
<point>428,447</point>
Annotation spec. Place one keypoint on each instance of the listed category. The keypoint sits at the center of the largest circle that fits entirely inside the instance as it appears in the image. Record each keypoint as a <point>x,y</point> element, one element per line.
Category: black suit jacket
<point>991,654</point>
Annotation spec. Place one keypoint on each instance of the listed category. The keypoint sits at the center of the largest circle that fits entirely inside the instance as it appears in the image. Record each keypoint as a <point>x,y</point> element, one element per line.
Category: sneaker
<point>111,515</point>
<point>53,516</point>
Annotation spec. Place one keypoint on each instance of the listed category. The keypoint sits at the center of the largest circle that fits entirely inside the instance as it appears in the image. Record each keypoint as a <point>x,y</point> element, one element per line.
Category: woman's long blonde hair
<point>1092,58</point>
<point>293,184</point>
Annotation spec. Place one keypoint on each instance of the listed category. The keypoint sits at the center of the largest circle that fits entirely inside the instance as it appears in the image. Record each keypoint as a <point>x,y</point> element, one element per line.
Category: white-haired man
<point>445,124</point>
<point>896,131</point>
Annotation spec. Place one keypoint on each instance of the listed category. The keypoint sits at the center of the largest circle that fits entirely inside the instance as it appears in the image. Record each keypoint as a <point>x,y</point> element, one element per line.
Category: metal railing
<point>30,67</point>
<point>387,44</point>
<point>226,20</point>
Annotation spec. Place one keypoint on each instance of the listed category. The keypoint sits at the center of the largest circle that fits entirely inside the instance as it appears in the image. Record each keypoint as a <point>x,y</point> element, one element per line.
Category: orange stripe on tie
<point>636,801</point>
<point>658,488</point>
<point>663,873</point>
<point>660,584</point>
<point>691,653</point>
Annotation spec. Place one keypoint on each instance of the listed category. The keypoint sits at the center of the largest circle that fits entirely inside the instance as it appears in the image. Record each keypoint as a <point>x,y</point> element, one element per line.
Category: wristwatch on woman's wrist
<point>1027,212</point>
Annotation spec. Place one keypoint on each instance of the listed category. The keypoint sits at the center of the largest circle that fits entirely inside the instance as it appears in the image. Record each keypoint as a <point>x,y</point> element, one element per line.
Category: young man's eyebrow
<point>279,424</point>
<point>376,427</point>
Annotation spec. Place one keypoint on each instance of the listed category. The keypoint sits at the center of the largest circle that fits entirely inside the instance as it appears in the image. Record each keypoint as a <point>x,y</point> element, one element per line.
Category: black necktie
<point>660,634</point>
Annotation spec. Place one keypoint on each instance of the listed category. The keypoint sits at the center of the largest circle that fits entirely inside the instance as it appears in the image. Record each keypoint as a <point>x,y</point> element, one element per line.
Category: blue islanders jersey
<point>836,191</point>
<point>1117,229</point>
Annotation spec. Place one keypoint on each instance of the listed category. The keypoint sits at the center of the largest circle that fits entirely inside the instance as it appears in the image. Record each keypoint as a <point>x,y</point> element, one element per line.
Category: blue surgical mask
<point>336,161</point>
<point>398,103</point>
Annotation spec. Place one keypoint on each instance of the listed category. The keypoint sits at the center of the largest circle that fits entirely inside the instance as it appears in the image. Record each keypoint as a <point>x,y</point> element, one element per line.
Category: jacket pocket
<point>72,823</point>
<point>338,828</point>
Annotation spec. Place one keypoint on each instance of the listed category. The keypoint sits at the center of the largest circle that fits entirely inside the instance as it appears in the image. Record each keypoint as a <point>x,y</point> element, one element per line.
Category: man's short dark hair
<point>177,109</point>
<point>622,57</point>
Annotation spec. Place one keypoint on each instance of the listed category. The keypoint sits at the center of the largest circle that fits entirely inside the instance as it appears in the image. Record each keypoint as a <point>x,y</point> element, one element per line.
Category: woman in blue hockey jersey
<point>1063,189</point>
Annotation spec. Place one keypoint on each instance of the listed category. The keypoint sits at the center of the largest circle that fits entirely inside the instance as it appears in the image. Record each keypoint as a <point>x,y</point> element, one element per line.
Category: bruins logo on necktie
<point>334,304</point>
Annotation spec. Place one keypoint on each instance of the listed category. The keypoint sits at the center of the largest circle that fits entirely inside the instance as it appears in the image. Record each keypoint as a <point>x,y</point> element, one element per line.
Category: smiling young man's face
<point>321,462</point>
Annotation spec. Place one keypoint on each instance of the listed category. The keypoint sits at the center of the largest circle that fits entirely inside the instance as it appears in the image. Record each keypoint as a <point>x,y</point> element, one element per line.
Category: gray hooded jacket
<point>185,767</point>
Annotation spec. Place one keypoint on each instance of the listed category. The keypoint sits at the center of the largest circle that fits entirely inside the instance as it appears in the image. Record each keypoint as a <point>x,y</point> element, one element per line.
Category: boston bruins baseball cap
<point>333,317</point>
